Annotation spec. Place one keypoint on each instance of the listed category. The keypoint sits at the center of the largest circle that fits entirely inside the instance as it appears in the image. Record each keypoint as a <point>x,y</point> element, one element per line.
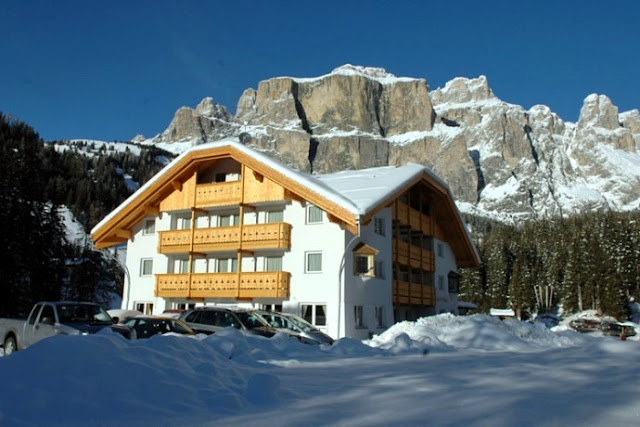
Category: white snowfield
<point>441,370</point>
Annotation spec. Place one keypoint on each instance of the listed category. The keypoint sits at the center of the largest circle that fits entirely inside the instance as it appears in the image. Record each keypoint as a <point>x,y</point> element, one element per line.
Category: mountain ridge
<point>499,159</point>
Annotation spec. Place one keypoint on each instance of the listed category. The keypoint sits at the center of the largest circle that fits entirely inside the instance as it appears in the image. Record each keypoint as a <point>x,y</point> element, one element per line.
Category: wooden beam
<point>246,252</point>
<point>248,206</point>
<point>123,233</point>
<point>202,254</point>
<point>200,211</point>
<point>258,176</point>
<point>177,185</point>
<point>152,210</point>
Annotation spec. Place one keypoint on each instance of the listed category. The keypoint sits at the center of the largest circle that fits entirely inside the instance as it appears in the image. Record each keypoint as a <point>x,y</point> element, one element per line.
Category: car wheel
<point>10,346</point>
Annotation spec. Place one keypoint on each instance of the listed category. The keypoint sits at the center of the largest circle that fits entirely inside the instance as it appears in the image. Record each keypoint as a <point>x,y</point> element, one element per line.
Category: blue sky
<point>110,70</point>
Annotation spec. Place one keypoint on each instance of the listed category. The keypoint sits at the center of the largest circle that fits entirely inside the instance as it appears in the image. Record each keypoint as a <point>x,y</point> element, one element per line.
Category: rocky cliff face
<point>498,159</point>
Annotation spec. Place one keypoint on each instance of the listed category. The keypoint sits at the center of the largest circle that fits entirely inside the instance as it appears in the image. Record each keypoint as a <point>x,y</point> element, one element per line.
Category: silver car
<point>297,326</point>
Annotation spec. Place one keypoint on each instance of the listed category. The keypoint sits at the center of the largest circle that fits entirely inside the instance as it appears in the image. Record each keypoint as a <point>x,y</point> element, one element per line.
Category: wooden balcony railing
<point>255,236</point>
<point>416,219</point>
<point>413,293</point>
<point>218,194</point>
<point>414,256</point>
<point>265,284</point>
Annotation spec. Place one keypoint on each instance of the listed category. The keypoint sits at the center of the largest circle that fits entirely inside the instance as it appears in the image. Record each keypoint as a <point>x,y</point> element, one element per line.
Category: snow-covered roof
<point>350,196</point>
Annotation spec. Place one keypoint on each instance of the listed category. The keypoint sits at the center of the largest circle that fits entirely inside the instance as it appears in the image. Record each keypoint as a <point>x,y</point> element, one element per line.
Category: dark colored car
<point>296,326</point>
<point>584,324</point>
<point>617,329</point>
<point>148,326</point>
<point>209,320</point>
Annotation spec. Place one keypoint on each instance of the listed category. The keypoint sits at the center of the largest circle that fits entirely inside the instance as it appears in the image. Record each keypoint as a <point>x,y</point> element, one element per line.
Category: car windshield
<point>250,320</point>
<point>301,323</point>
<point>165,325</point>
<point>83,313</point>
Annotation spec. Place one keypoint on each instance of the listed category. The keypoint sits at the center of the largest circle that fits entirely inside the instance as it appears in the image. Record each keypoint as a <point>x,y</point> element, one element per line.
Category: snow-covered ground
<point>441,370</point>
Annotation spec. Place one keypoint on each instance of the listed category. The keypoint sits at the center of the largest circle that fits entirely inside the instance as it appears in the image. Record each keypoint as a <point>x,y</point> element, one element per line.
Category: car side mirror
<point>115,320</point>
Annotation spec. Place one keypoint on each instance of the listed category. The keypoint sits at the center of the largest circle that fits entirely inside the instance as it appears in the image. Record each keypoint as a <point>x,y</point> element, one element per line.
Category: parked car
<point>617,329</point>
<point>584,324</point>
<point>209,320</point>
<point>297,326</point>
<point>120,314</point>
<point>56,318</point>
<point>148,326</point>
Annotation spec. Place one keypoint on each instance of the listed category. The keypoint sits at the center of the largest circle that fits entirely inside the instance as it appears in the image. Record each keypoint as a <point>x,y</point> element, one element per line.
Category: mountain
<point>499,159</point>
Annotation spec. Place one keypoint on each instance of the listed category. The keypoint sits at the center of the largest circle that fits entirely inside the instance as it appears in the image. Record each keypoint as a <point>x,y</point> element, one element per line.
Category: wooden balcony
<point>416,219</point>
<point>218,194</point>
<point>248,285</point>
<point>414,256</point>
<point>253,237</point>
<point>413,294</point>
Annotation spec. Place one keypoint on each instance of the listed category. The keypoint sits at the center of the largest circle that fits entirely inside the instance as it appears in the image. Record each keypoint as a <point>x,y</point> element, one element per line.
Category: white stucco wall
<point>370,292</point>
<point>445,262</point>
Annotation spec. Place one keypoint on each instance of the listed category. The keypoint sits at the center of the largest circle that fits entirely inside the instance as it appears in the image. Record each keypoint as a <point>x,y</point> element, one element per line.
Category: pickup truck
<point>56,318</point>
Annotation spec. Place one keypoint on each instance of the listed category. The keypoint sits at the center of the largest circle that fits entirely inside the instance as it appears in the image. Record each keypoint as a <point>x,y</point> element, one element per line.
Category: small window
<point>273,263</point>
<point>358,313</point>
<point>379,317</point>
<point>314,314</point>
<point>183,266</point>
<point>313,262</point>
<point>440,250</point>
<point>149,227</point>
<point>364,264</point>
<point>379,226</point>
<point>144,307</point>
<point>183,223</point>
<point>34,314</point>
<point>227,265</point>
<point>314,214</point>
<point>441,283</point>
<point>228,220</point>
<point>275,217</point>
<point>146,267</point>
<point>379,269</point>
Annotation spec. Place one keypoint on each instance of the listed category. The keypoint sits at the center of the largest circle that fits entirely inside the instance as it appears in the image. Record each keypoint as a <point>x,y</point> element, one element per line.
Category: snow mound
<point>446,332</point>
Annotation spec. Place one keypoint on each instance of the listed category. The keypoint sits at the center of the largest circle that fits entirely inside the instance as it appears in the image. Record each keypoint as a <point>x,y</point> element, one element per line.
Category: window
<point>34,314</point>
<point>313,262</point>
<point>379,226</point>
<point>273,263</point>
<point>314,214</point>
<point>363,265</point>
<point>363,261</point>
<point>227,265</point>
<point>275,216</point>
<point>183,223</point>
<point>358,313</point>
<point>379,269</point>
<point>453,282</point>
<point>379,317</point>
<point>441,283</point>
<point>314,314</point>
<point>183,266</point>
<point>228,220</point>
<point>440,250</point>
<point>144,307</point>
<point>146,266</point>
<point>149,227</point>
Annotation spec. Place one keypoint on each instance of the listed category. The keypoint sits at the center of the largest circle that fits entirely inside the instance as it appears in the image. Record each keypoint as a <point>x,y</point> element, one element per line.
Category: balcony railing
<point>414,256</point>
<point>416,219</point>
<point>218,194</point>
<point>265,284</point>
<point>255,236</point>
<point>413,293</point>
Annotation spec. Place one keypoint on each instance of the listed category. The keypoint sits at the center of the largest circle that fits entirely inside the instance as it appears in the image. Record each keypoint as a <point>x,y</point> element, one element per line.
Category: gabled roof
<point>351,196</point>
